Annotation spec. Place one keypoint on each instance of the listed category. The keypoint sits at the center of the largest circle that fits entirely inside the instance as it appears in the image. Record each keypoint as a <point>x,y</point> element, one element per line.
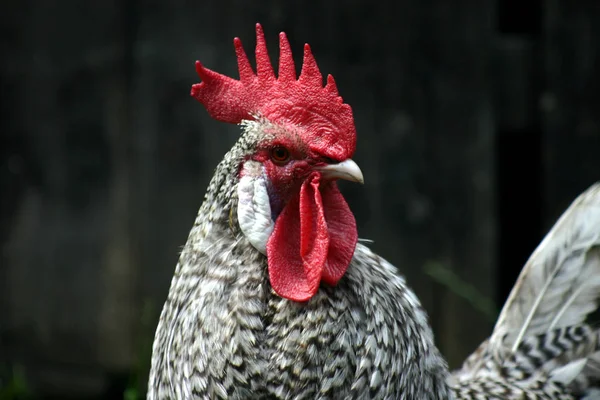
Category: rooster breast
<point>224,333</point>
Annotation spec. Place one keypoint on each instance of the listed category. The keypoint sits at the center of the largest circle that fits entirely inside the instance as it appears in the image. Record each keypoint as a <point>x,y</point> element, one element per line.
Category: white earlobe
<point>254,209</point>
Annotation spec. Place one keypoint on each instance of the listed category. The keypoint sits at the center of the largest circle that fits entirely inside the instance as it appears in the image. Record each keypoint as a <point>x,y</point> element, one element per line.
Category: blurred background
<point>478,123</point>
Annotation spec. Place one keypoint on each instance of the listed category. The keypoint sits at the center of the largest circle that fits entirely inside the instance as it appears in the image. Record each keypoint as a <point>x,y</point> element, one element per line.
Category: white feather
<point>593,394</point>
<point>567,373</point>
<point>560,284</point>
<point>254,209</point>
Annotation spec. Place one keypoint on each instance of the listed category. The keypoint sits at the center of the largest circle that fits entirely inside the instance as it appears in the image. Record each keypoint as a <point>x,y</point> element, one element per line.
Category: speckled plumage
<point>225,334</point>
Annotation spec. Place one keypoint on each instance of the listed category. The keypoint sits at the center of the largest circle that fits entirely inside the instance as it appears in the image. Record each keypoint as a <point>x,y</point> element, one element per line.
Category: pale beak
<point>347,170</point>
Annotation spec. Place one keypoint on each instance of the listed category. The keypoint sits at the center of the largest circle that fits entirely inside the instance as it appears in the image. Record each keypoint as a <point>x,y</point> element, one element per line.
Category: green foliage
<point>13,384</point>
<point>136,390</point>
<point>462,288</point>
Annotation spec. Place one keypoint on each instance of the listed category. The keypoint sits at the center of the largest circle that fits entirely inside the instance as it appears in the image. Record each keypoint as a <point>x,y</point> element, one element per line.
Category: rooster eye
<point>280,154</point>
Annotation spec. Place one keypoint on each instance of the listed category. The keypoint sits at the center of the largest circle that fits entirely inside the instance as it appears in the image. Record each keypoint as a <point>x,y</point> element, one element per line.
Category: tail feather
<point>569,373</point>
<point>560,284</point>
<point>557,353</point>
<point>590,376</point>
<point>592,394</point>
<point>542,332</point>
<point>581,376</point>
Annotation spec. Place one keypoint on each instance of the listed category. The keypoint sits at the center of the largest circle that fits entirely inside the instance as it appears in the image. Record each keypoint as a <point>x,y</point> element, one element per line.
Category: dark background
<point>478,123</point>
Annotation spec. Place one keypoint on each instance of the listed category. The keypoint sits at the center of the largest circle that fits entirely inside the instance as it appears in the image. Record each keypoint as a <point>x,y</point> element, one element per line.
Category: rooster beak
<point>347,170</point>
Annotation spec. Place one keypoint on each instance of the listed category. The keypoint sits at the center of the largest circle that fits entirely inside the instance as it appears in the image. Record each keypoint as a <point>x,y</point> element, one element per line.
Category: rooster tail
<point>581,376</point>
<point>542,328</point>
<point>589,379</point>
<point>560,284</point>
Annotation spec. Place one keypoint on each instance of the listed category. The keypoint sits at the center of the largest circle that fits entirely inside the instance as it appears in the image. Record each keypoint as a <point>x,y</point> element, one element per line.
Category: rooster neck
<point>349,340</point>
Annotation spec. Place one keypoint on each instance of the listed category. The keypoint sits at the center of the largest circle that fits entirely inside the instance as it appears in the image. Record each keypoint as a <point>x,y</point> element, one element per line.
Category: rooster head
<point>302,138</point>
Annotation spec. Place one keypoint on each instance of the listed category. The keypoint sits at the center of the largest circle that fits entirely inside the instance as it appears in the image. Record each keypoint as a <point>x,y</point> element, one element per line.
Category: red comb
<point>325,122</point>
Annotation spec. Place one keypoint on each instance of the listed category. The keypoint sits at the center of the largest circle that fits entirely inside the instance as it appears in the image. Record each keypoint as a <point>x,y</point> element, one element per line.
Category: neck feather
<point>220,202</point>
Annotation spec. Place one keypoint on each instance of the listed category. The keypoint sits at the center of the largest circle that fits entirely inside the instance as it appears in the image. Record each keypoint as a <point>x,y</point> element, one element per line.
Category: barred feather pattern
<point>542,347</point>
<point>224,334</point>
<point>534,369</point>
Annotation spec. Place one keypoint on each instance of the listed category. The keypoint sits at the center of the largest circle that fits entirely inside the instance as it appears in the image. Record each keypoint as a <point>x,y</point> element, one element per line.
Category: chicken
<point>274,297</point>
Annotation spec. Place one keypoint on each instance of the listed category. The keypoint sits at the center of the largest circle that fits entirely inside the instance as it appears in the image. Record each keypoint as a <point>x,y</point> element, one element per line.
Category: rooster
<point>274,297</point>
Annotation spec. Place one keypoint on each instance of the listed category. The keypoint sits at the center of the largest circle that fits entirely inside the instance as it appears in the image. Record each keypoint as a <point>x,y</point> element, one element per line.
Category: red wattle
<point>314,238</point>
<point>341,226</point>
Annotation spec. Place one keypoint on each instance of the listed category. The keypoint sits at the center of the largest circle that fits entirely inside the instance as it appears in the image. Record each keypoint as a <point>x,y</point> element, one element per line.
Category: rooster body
<point>224,333</point>
<point>274,298</point>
